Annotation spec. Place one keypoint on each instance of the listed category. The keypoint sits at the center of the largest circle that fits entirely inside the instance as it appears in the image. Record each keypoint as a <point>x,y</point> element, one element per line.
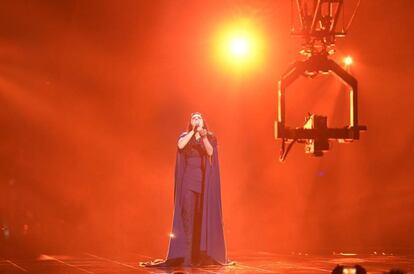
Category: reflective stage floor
<point>246,262</point>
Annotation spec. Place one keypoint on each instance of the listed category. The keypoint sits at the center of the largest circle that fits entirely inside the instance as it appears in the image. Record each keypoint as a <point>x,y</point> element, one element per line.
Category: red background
<point>93,95</point>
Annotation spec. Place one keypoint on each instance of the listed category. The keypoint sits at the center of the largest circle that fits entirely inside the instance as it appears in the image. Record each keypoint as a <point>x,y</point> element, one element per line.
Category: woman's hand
<point>195,128</point>
<point>203,132</point>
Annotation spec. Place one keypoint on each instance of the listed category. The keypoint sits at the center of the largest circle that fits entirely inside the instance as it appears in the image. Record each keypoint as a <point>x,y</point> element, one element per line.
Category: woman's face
<point>196,119</point>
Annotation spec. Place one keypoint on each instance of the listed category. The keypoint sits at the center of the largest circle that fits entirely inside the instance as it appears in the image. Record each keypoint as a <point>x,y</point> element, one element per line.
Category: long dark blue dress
<point>192,200</point>
<point>197,172</point>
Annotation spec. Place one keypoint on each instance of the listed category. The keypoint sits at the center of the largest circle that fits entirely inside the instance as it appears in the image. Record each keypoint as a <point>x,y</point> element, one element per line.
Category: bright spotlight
<point>348,60</point>
<point>239,46</point>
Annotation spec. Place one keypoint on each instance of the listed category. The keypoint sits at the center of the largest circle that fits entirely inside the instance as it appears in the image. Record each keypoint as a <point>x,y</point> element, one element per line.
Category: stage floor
<point>246,262</point>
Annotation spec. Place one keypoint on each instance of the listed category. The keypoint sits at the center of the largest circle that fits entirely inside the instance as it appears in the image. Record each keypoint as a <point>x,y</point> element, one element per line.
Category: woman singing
<point>197,236</point>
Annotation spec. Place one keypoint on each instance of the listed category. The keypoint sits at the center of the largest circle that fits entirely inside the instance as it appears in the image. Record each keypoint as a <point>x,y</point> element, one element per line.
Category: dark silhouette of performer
<point>197,236</point>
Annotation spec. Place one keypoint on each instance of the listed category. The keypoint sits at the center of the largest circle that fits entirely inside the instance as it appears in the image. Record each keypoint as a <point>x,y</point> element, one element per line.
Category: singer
<point>197,236</point>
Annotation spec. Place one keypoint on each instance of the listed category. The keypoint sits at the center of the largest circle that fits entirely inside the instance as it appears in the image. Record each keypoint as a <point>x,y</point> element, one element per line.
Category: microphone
<point>196,126</point>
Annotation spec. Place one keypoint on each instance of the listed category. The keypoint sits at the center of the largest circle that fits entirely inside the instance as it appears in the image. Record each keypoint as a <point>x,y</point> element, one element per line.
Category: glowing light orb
<point>171,235</point>
<point>238,46</point>
<point>348,60</point>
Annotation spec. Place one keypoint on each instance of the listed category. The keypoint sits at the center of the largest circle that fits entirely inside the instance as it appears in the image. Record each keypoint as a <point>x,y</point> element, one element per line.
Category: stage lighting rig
<point>317,23</point>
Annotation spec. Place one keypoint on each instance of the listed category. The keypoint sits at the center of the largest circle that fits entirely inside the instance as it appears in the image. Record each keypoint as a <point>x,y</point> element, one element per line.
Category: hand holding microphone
<point>196,128</point>
<point>202,131</point>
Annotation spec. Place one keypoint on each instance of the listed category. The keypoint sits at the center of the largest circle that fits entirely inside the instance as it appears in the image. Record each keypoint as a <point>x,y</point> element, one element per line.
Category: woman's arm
<point>207,145</point>
<point>183,141</point>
